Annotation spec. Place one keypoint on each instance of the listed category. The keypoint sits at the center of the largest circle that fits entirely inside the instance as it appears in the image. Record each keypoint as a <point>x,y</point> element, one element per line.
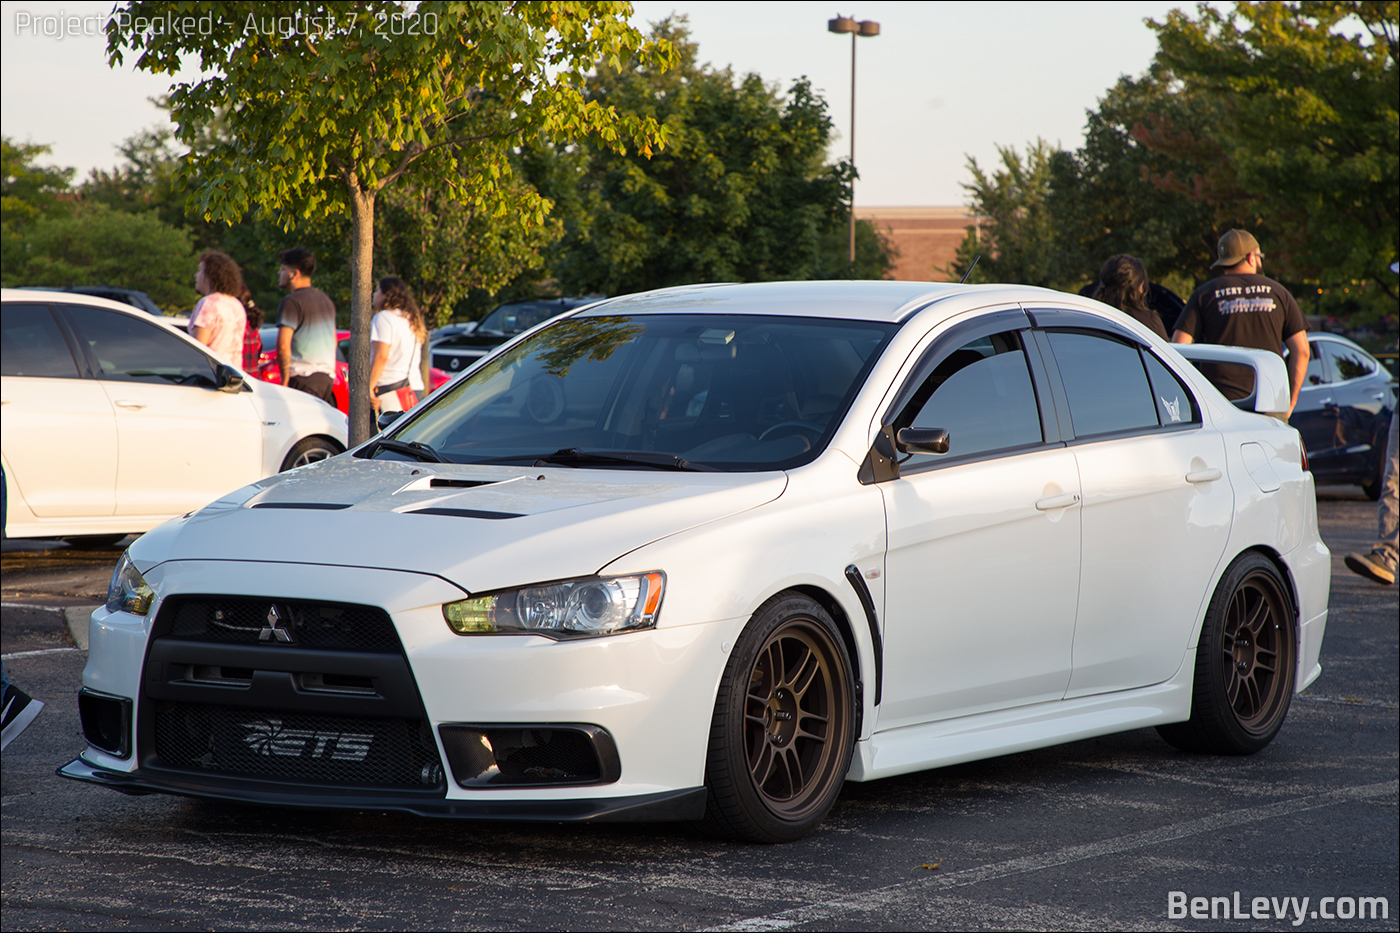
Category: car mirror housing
<point>387,418</point>
<point>922,440</point>
<point>228,379</point>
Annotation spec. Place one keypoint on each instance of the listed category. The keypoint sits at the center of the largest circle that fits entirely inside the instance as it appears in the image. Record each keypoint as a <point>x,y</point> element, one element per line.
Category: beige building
<point>926,238</point>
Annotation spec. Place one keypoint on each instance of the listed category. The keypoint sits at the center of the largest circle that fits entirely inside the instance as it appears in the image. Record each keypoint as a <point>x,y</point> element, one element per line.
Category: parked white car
<point>775,537</point>
<point>115,421</point>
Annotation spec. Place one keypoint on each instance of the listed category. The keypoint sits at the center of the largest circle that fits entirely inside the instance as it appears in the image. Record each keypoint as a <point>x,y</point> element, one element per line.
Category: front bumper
<point>688,804</point>
<point>651,691</point>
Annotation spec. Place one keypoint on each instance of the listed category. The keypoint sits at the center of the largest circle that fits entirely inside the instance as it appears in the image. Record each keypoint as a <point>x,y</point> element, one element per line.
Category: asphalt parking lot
<point>1121,832</point>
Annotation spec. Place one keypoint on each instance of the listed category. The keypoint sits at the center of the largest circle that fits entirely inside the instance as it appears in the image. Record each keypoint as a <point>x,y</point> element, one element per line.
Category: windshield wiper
<point>411,448</point>
<point>575,456</point>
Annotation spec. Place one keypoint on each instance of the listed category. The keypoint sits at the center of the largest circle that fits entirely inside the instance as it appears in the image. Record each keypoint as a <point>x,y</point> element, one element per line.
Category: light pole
<point>867,27</point>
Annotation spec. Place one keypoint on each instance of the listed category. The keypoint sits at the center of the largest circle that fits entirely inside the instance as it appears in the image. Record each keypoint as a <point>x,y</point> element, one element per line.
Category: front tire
<point>783,728</point>
<point>310,450</point>
<point>1245,664</point>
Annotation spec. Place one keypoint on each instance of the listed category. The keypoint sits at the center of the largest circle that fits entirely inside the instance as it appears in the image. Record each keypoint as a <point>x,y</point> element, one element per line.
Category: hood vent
<point>465,513</point>
<point>317,506</point>
<point>440,483</point>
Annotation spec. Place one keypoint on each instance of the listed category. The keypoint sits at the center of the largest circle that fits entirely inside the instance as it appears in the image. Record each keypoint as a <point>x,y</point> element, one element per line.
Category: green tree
<point>740,193</point>
<point>449,249</point>
<point>1119,194</point>
<point>28,190</point>
<point>94,244</point>
<point>327,105</point>
<point>1017,236</point>
<point>1306,138</point>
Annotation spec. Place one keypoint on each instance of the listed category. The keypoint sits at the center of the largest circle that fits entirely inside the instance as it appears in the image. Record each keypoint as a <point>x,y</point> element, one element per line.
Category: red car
<point>269,371</point>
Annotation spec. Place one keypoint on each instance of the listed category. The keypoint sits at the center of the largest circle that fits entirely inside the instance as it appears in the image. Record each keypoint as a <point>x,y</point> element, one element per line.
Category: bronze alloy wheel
<point>783,728</point>
<point>1252,651</point>
<point>795,709</point>
<point>1245,663</point>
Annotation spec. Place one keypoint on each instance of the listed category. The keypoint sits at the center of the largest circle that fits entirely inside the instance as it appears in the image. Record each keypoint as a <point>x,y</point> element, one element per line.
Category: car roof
<point>885,301</point>
<point>96,301</point>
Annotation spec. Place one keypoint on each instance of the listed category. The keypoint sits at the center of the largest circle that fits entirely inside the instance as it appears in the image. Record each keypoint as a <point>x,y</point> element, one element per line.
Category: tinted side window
<point>1105,384</point>
<point>1175,405</point>
<point>129,349</point>
<point>1349,363</point>
<point>982,395</point>
<point>32,344</point>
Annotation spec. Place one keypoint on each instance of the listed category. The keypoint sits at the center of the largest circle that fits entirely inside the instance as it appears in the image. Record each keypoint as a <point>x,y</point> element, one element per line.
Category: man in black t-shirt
<point>1241,308</point>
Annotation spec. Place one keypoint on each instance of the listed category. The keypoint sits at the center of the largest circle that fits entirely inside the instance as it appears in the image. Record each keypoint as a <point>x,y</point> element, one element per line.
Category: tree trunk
<point>361,289</point>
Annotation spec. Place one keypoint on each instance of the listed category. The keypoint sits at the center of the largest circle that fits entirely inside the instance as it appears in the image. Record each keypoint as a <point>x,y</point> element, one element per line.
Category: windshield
<point>688,391</point>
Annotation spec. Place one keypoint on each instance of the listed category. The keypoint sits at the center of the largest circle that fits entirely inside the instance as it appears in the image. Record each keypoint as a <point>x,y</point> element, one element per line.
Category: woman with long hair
<point>397,335</point>
<point>219,321</point>
<point>252,338</point>
<point>1123,284</point>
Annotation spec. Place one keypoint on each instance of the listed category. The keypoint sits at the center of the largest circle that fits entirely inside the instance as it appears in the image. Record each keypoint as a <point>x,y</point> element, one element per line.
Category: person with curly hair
<point>219,320</point>
<point>397,334</point>
<point>1123,284</point>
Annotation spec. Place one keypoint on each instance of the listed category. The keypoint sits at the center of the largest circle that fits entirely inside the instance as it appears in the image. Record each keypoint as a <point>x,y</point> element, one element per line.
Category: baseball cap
<point>1234,246</point>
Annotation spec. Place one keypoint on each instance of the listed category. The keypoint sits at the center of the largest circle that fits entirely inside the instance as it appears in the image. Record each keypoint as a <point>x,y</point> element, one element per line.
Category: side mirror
<point>228,379</point>
<point>387,418</point>
<point>922,440</point>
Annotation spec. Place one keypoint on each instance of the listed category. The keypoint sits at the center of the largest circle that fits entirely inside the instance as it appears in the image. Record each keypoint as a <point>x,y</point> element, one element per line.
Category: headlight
<point>592,606</point>
<point>128,591</point>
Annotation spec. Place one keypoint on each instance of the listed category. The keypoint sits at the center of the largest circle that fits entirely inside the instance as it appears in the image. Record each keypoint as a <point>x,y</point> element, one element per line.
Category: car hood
<point>483,528</point>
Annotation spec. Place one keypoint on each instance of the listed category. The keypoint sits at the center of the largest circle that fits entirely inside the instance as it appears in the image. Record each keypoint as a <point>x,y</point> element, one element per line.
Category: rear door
<point>1157,505</point>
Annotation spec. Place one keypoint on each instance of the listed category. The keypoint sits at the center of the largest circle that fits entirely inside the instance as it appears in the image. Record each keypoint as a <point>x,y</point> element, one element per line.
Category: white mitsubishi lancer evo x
<point>705,553</point>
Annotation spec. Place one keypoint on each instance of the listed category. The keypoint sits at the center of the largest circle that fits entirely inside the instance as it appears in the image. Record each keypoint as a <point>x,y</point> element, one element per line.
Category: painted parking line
<point>883,899</point>
<point>38,652</point>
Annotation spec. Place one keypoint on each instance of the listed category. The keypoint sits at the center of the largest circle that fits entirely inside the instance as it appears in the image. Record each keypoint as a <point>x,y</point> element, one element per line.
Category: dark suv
<point>127,296</point>
<point>454,352</point>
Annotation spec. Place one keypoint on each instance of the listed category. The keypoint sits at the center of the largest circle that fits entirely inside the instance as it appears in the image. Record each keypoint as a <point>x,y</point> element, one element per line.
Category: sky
<point>940,83</point>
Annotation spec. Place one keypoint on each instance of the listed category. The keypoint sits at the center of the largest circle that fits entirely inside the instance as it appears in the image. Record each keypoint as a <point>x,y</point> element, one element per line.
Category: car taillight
<point>1303,456</point>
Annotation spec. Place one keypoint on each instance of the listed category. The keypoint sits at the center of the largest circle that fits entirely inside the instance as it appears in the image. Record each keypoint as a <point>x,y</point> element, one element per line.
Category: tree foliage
<point>53,236</point>
<point>326,105</point>
<point>1307,133</point>
<point>741,192</point>
<point>1270,117</point>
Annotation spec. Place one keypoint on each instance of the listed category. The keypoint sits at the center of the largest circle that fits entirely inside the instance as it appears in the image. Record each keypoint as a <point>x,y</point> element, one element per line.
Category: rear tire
<point>1245,664</point>
<point>310,450</point>
<point>784,725</point>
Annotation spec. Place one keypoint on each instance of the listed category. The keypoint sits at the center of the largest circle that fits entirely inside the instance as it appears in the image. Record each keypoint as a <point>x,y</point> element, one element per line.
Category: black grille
<point>292,746</point>
<point>250,621</point>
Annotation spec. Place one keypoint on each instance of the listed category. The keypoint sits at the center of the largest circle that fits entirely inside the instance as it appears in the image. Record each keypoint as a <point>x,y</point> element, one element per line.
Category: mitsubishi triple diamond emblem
<point>275,629</point>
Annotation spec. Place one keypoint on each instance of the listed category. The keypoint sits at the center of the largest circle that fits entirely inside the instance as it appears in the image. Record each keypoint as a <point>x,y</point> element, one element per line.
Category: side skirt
<point>1008,731</point>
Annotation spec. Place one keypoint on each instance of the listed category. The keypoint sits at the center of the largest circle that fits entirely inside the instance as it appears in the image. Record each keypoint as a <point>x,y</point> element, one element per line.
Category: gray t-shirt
<point>310,313</point>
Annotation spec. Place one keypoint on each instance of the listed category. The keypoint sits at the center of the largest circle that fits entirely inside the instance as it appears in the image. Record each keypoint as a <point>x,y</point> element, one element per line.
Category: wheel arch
<point>832,605</point>
<point>1290,590</point>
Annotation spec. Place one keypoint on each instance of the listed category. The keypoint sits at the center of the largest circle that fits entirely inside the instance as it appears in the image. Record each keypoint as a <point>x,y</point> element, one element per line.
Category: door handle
<point>1050,503</point>
<point>1203,476</point>
<point>129,405</point>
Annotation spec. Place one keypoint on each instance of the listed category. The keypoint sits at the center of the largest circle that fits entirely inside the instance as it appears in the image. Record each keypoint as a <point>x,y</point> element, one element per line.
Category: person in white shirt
<point>396,334</point>
<point>218,320</point>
